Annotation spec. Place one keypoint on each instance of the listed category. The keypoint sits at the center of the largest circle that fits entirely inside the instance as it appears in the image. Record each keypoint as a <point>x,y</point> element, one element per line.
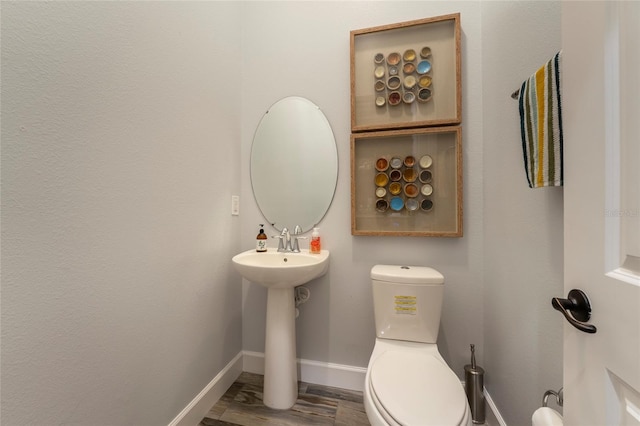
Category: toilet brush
<point>474,385</point>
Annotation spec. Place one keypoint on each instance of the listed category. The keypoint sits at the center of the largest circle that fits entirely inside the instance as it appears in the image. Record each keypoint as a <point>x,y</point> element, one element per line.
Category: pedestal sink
<point>280,273</point>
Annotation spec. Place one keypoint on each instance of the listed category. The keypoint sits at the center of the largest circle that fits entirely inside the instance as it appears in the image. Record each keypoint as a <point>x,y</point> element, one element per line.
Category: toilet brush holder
<point>474,386</point>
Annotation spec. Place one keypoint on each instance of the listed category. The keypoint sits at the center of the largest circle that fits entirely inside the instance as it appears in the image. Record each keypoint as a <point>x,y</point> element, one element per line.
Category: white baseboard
<point>195,411</point>
<point>320,373</point>
<point>494,417</point>
<point>253,362</point>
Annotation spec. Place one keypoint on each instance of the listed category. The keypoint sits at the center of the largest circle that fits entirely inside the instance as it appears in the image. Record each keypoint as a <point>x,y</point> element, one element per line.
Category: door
<point>601,116</point>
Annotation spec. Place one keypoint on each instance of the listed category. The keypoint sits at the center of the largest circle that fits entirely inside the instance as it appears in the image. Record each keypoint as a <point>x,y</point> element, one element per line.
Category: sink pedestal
<point>280,273</point>
<point>280,368</point>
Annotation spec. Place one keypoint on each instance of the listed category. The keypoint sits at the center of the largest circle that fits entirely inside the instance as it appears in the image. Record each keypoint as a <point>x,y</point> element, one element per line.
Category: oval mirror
<point>294,164</point>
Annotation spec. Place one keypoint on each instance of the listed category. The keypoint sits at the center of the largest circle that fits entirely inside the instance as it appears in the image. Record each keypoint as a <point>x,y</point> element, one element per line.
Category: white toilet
<point>408,382</point>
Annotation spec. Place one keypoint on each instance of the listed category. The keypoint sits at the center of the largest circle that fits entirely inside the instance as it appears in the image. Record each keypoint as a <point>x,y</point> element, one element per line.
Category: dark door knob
<point>576,309</point>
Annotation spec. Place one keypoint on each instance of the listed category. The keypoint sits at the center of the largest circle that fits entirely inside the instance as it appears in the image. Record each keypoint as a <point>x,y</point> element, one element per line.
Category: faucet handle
<point>296,246</point>
<point>297,230</point>
<point>280,242</point>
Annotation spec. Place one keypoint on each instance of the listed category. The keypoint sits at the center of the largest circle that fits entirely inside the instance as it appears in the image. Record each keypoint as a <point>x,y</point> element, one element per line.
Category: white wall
<point>302,48</point>
<point>120,149</point>
<point>523,229</point>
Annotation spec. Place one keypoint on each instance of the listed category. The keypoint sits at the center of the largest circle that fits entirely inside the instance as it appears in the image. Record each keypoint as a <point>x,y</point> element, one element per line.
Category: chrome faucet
<point>296,236</point>
<point>286,244</point>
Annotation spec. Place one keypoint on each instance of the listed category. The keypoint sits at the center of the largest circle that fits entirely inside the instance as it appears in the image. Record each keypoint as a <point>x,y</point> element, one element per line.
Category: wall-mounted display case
<point>407,182</point>
<point>406,75</point>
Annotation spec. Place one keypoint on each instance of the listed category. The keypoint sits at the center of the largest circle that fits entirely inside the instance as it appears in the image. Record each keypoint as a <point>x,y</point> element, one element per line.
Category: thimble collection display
<point>406,74</point>
<point>406,138</point>
<point>404,184</point>
<point>403,78</point>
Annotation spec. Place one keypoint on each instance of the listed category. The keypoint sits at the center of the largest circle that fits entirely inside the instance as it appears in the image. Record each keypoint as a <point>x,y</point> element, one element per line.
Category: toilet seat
<point>416,389</point>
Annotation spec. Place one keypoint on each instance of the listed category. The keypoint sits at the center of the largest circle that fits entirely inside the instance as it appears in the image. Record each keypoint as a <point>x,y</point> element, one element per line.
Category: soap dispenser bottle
<point>261,241</point>
<point>314,245</point>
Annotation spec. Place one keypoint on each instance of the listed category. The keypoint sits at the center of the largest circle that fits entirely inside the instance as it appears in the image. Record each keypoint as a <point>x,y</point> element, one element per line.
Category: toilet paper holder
<point>558,395</point>
<point>545,415</point>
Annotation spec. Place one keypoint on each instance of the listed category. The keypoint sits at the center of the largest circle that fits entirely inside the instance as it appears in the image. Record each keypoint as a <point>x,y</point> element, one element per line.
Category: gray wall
<point>118,300</point>
<point>503,272</point>
<point>306,45</point>
<point>523,229</point>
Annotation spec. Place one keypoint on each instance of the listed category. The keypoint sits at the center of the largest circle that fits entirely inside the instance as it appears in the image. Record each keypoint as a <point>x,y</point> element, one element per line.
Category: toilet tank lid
<point>406,274</point>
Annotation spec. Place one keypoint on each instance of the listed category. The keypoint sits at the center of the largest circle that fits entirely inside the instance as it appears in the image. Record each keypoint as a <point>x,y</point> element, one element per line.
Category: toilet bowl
<point>408,382</point>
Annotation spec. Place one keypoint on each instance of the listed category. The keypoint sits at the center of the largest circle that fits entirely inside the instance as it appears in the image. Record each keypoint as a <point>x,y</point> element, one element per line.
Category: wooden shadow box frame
<point>406,75</point>
<point>407,182</point>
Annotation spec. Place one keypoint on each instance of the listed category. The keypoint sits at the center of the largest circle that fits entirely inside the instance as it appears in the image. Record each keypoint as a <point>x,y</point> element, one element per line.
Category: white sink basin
<point>280,273</point>
<point>281,270</point>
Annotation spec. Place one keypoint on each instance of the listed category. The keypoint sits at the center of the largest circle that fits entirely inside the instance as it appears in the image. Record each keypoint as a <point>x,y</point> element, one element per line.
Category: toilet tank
<point>407,302</point>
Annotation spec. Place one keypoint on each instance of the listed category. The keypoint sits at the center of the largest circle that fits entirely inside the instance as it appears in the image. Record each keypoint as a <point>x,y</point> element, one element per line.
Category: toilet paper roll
<point>545,416</point>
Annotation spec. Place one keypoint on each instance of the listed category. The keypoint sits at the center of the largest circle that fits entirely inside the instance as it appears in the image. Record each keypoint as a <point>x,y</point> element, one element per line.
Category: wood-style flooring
<point>316,405</point>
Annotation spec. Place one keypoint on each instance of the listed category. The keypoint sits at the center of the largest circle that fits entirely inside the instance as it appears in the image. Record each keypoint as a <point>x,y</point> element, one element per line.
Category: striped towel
<point>541,125</point>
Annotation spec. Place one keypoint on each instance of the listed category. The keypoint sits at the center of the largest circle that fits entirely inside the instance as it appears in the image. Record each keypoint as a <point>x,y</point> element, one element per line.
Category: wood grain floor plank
<point>242,405</point>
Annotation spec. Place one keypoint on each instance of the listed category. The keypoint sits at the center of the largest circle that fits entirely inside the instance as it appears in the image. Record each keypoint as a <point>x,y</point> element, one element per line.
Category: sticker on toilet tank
<point>406,305</point>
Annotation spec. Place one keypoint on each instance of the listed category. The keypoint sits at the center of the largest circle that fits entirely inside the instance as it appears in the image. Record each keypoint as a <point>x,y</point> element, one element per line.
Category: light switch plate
<point>235,205</point>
